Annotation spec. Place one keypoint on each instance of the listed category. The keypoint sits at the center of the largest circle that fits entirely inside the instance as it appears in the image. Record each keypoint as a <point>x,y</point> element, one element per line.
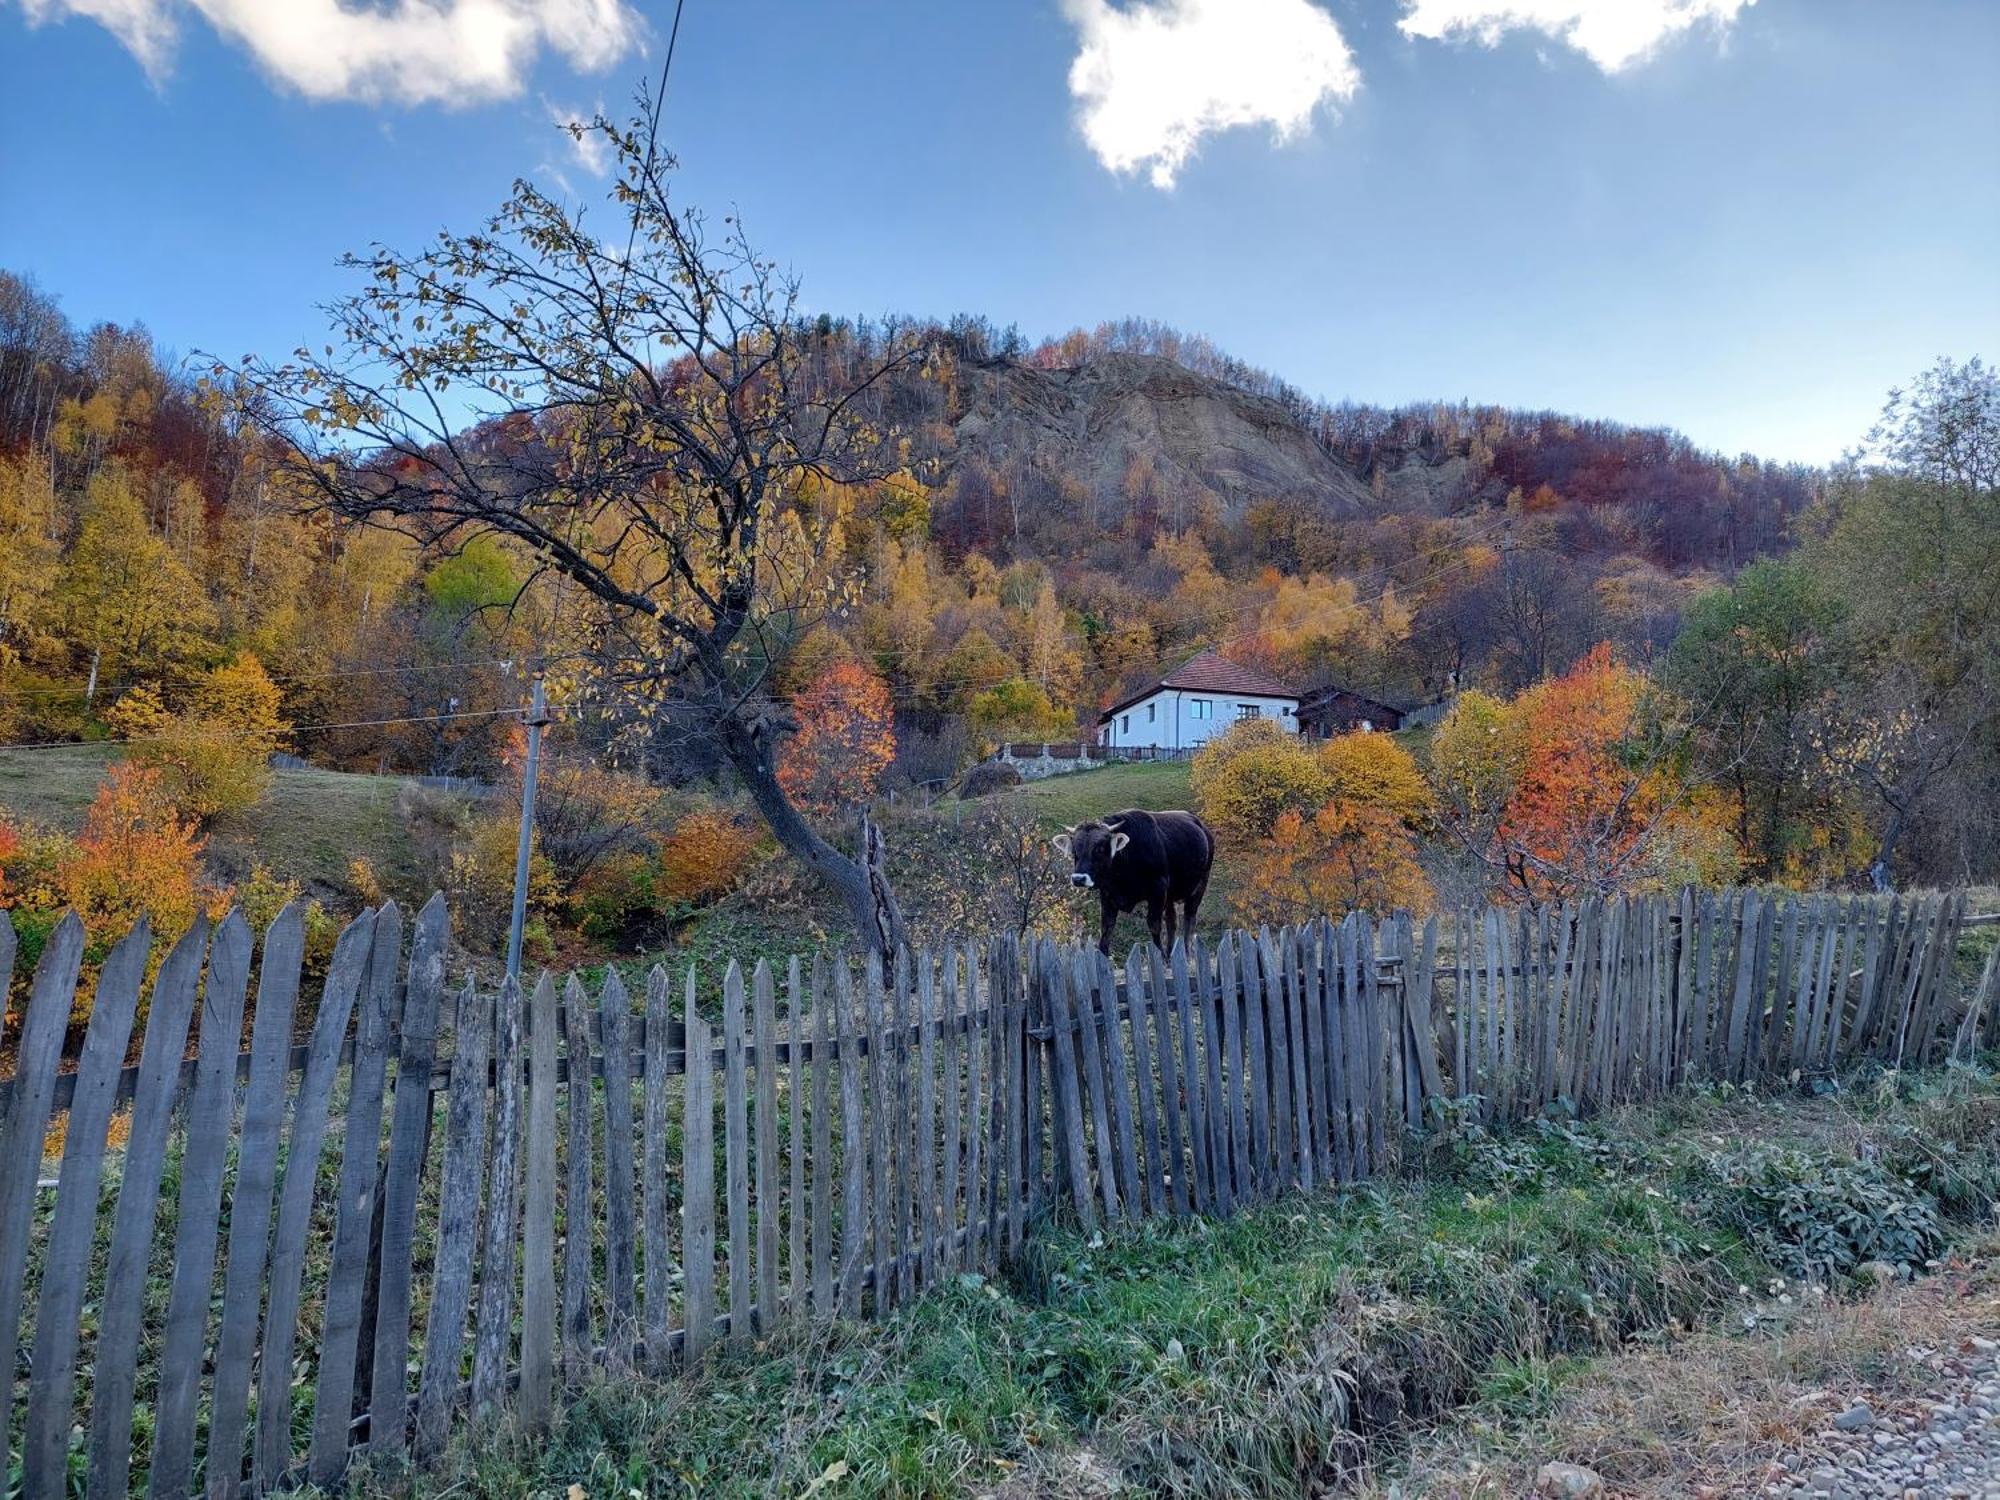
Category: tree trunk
<point>861,884</point>
<point>1879,867</point>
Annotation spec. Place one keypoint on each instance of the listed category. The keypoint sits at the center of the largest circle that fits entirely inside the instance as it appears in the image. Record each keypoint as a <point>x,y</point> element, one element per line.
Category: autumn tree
<point>845,740</point>
<point>137,856</point>
<point>1016,710</point>
<point>1908,539</point>
<point>657,428</point>
<point>702,856</point>
<point>1316,623</point>
<point>1375,770</point>
<point>214,752</point>
<point>29,524</point>
<point>1577,787</point>
<point>1476,757</point>
<point>1327,828</point>
<point>585,812</point>
<point>1250,774</point>
<point>123,596</point>
<point>974,665</point>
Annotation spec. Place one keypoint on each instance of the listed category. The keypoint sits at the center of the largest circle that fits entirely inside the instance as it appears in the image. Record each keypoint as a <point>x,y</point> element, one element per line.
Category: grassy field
<point>1318,1341</point>
<point>1062,800</point>
<point>310,827</point>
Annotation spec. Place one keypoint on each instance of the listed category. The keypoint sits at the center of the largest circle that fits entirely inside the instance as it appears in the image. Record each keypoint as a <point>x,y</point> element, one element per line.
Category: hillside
<point>311,827</point>
<point>1121,422</point>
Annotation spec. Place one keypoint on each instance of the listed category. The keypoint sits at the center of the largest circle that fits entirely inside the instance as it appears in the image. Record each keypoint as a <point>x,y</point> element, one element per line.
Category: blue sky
<point>1748,229</point>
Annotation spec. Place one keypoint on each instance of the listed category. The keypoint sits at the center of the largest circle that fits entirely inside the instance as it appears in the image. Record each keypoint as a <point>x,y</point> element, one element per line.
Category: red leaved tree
<point>844,741</point>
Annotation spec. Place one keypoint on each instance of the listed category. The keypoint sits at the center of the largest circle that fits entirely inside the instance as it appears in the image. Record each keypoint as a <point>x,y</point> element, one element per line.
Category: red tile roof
<point>1210,672</point>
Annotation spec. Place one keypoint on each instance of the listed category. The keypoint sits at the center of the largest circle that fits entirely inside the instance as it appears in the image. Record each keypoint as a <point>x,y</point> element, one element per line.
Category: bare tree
<point>642,411</point>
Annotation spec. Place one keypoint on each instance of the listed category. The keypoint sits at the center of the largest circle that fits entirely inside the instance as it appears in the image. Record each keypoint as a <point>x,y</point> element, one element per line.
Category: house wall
<point>1176,722</point>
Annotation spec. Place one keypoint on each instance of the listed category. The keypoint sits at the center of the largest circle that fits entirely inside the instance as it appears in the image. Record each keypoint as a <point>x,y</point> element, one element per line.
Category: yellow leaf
<point>833,1473</point>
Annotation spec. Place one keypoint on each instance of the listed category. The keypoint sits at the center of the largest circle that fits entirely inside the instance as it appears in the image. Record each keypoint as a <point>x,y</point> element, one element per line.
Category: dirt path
<point>1892,1395</point>
<point>1942,1441</point>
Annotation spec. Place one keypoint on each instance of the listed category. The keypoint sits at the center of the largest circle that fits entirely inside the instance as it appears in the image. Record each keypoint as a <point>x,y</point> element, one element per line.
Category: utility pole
<point>537,719</point>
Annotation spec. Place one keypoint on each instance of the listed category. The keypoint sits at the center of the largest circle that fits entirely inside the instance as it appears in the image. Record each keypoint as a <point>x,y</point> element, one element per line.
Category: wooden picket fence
<point>417,1232</point>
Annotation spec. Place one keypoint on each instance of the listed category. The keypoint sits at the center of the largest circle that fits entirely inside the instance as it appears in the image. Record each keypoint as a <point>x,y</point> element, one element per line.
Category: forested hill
<point>1145,427</point>
<point>1092,510</point>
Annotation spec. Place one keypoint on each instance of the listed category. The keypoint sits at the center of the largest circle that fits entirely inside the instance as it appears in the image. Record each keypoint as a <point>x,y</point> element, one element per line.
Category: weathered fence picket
<point>291,1241</point>
<point>120,1310</point>
<point>538,1199</point>
<point>44,1455</point>
<point>340,1330</point>
<point>205,1145</point>
<point>458,1220</point>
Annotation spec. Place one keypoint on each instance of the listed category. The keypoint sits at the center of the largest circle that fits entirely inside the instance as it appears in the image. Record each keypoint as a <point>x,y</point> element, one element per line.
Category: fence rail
<point>449,1201</point>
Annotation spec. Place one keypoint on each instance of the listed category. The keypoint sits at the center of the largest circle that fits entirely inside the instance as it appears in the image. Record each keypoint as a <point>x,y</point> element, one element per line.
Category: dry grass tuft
<point>1707,1415</point>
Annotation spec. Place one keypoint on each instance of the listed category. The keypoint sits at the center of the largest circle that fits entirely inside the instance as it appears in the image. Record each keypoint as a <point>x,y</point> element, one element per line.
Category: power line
<point>229,737</point>
<point>283,680</point>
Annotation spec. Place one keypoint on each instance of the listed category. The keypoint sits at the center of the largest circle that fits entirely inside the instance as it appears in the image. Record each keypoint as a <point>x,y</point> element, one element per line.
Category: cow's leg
<point>1110,920</point>
<point>1157,907</point>
<point>1167,943</point>
<point>1188,909</point>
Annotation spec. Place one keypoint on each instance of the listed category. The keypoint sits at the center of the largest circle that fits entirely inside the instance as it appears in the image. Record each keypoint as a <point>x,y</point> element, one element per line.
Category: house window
<point>1126,723</point>
<point>1152,712</point>
<point>1201,708</point>
<point>1249,711</point>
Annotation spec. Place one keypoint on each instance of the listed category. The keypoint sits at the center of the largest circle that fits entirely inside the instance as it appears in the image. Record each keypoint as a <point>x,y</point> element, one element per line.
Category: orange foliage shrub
<point>844,742</point>
<point>10,845</point>
<point>1324,829</point>
<point>1348,856</point>
<point>703,856</point>
<point>1245,778</point>
<point>1565,791</point>
<point>137,856</point>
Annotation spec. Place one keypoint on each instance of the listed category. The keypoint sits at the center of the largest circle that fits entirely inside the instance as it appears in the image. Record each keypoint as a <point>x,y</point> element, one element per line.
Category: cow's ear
<point>1061,841</point>
<point>1119,841</point>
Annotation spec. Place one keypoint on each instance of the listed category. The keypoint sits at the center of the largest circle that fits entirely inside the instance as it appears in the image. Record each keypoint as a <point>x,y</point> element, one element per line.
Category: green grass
<point>1259,1355</point>
<point>313,824</point>
<point>1060,801</point>
<point>310,826</point>
<point>53,787</point>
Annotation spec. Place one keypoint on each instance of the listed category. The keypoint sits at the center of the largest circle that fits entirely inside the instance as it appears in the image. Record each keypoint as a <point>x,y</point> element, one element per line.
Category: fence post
<point>537,719</point>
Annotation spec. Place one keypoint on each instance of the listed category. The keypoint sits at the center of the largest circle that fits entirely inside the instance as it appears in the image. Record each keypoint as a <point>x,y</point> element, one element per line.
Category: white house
<point>1195,702</point>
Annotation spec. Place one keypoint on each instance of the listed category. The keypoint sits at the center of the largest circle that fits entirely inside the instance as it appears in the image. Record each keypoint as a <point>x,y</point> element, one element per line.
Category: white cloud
<point>408,51</point>
<point>1614,34</point>
<point>590,148</point>
<point>1154,76</point>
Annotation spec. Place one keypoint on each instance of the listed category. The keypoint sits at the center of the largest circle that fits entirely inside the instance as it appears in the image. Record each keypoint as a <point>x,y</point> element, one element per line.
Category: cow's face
<point>1091,848</point>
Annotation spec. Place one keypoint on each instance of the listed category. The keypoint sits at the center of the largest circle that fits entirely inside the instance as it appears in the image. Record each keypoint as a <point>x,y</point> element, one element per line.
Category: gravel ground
<point>1943,1448</point>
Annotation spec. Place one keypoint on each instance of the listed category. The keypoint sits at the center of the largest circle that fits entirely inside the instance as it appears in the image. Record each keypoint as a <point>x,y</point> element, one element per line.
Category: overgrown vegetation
<point>1289,1346</point>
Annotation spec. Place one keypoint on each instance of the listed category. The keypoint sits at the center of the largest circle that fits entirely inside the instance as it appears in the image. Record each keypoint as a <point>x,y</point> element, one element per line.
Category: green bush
<point>1812,1216</point>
